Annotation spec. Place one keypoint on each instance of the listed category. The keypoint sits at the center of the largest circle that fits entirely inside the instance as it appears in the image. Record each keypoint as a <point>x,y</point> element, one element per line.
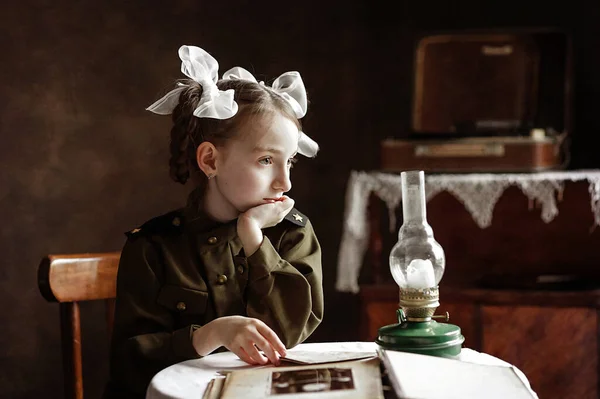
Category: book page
<point>420,376</point>
<point>354,379</point>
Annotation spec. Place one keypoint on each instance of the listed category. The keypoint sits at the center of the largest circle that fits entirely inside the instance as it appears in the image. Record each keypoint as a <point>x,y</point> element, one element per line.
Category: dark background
<point>81,161</point>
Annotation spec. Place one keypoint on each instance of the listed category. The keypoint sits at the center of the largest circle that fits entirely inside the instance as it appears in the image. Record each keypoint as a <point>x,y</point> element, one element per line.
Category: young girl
<point>238,267</point>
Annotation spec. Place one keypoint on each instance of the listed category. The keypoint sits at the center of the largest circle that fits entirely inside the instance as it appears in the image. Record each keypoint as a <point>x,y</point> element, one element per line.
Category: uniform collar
<point>198,221</point>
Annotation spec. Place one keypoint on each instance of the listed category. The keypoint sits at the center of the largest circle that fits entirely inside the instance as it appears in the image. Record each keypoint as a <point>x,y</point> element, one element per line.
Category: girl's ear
<point>206,157</point>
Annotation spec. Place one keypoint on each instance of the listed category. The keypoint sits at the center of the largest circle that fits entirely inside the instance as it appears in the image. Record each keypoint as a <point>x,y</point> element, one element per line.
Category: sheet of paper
<point>312,357</point>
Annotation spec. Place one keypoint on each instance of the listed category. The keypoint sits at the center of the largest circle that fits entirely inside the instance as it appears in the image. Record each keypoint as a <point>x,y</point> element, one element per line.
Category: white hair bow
<point>291,88</point>
<point>200,66</point>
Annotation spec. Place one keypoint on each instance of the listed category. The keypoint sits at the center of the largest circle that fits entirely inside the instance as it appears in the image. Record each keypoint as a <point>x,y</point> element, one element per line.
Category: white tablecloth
<point>479,192</point>
<point>189,379</point>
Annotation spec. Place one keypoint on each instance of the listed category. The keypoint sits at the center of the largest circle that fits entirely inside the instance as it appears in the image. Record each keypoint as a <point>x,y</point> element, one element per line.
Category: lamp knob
<point>446,316</point>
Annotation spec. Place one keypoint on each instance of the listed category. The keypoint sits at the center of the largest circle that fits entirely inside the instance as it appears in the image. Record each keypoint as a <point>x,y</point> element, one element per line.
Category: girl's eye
<point>292,161</point>
<point>266,161</point>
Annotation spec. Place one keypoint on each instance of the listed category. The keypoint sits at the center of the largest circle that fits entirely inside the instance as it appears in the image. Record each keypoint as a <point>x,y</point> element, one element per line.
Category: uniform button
<point>222,279</point>
<point>181,306</point>
<point>212,240</point>
<point>240,269</point>
<point>176,221</point>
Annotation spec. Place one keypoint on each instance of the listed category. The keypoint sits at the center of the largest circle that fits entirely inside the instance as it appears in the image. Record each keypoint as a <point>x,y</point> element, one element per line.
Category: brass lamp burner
<point>419,304</point>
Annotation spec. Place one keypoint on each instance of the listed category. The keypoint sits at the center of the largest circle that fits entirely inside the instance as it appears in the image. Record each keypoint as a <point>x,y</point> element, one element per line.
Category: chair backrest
<point>68,280</point>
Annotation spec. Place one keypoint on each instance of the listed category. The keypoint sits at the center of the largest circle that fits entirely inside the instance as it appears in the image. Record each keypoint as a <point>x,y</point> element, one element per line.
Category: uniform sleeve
<point>285,288</point>
<point>144,340</point>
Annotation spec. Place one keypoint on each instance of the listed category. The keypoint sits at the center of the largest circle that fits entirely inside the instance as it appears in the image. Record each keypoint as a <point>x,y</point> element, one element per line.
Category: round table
<point>189,379</point>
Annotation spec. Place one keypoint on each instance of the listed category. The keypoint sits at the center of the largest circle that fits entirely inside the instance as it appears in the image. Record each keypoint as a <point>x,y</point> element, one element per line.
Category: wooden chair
<point>68,280</point>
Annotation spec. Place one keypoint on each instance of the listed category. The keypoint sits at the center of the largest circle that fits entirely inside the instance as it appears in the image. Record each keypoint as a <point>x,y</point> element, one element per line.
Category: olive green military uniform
<point>181,270</point>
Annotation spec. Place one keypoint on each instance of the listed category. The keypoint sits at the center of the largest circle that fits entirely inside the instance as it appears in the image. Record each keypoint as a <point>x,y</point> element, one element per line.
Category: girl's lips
<point>273,199</point>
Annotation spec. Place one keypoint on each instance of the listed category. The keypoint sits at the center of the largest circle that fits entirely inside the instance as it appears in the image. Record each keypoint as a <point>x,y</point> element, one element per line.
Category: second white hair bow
<point>201,67</point>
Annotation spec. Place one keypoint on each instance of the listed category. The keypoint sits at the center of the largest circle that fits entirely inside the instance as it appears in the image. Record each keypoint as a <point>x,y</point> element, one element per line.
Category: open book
<point>428,377</point>
<point>352,379</point>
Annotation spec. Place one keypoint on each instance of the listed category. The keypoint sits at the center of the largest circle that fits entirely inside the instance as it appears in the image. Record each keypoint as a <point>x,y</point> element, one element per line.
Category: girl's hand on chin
<point>270,213</point>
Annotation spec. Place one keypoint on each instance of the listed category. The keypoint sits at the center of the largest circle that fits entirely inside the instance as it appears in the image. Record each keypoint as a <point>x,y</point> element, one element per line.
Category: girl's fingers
<point>289,202</point>
<point>272,338</point>
<point>254,354</point>
<point>268,350</point>
<point>241,353</point>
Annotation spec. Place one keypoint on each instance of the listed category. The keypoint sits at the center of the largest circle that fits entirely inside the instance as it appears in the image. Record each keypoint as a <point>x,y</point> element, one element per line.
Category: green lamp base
<point>423,337</point>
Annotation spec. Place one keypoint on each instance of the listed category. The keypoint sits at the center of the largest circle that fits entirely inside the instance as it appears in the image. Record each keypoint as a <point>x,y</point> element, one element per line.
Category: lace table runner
<point>478,192</point>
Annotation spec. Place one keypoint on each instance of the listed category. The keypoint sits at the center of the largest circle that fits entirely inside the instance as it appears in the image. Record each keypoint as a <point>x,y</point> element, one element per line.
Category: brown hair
<point>189,131</point>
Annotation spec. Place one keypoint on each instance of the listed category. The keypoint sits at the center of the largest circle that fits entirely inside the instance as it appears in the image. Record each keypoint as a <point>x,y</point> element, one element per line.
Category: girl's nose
<point>282,182</point>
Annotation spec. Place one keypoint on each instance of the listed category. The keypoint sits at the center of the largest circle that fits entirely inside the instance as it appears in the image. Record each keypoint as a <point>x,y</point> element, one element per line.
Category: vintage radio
<point>488,101</point>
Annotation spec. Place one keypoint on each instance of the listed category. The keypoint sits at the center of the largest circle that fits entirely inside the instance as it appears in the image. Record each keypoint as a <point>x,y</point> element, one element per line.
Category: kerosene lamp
<point>417,263</point>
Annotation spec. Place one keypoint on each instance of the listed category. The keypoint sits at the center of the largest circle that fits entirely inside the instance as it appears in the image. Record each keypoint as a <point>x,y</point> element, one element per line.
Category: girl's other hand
<point>244,336</point>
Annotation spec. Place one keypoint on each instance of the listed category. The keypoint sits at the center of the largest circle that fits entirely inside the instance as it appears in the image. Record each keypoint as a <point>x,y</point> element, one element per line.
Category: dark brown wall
<point>81,161</point>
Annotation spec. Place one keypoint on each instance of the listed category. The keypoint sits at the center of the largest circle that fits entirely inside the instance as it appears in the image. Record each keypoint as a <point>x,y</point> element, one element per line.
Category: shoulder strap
<point>168,223</point>
<point>296,217</point>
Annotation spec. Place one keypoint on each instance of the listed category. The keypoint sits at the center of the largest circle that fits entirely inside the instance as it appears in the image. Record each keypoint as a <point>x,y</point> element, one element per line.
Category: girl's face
<point>254,167</point>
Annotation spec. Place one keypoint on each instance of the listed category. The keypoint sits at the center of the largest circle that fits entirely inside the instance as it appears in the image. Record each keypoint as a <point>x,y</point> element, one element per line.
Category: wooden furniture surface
<point>498,154</point>
<point>68,280</point>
